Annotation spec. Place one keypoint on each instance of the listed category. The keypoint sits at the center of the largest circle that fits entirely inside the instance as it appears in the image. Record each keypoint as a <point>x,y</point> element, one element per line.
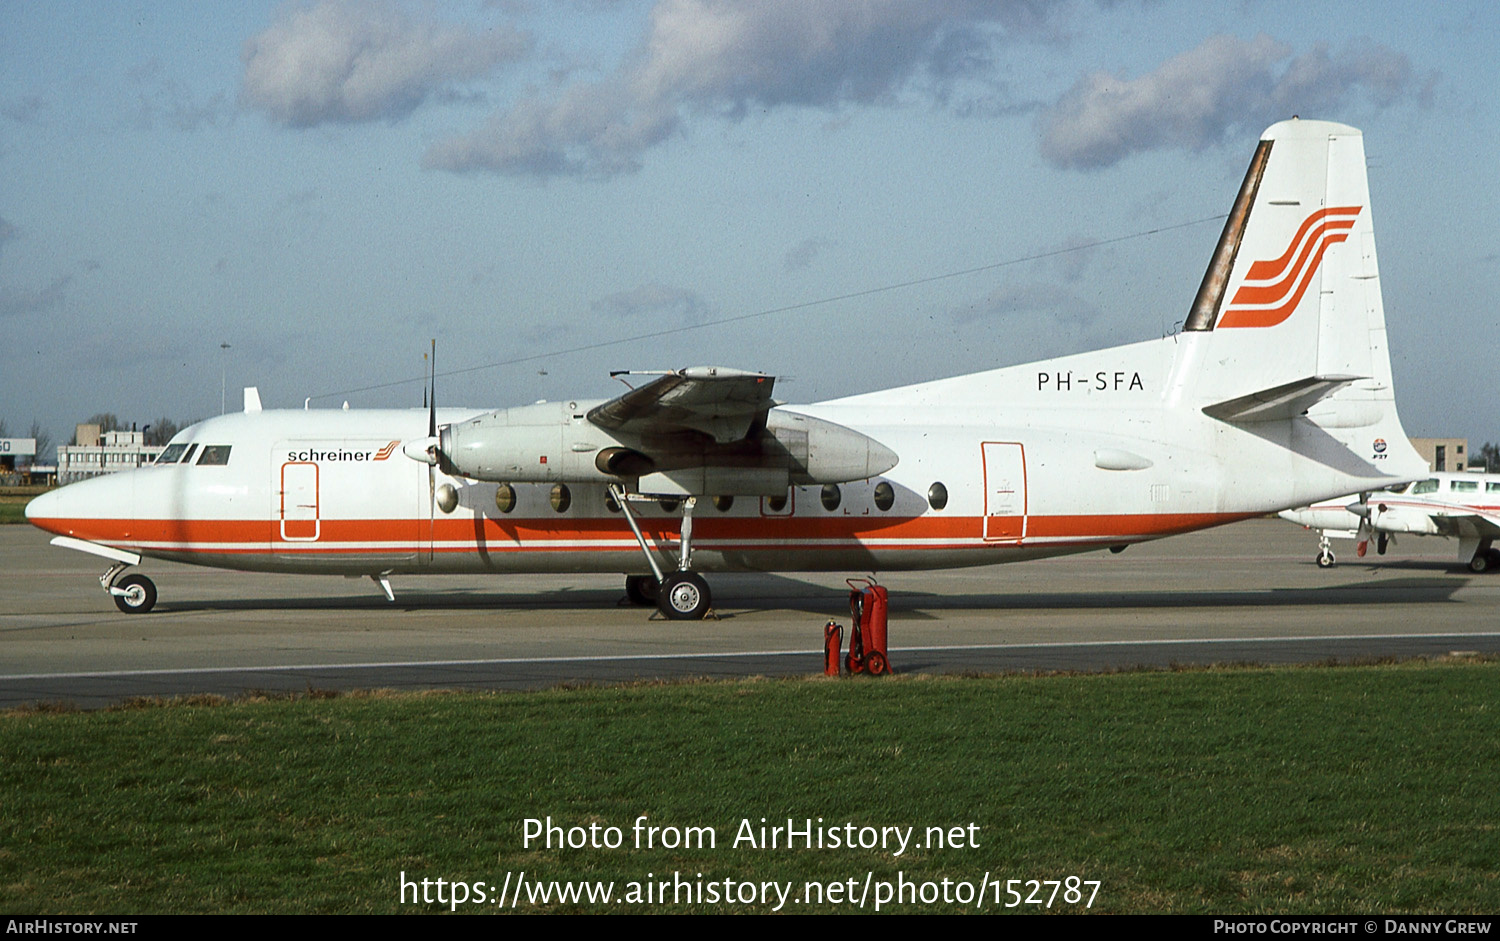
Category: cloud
<point>801,256</point>
<point>728,59</point>
<point>1036,301</point>
<point>338,62</point>
<point>160,99</point>
<point>25,110</point>
<point>17,301</point>
<point>655,300</point>
<point>1226,86</point>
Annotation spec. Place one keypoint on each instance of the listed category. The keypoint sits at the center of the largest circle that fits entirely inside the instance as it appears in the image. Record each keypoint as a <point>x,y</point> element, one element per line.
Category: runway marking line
<point>400,664</point>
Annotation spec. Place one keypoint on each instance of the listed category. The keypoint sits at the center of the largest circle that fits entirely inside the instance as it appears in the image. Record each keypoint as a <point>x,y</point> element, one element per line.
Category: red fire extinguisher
<point>867,640</point>
<point>833,645</point>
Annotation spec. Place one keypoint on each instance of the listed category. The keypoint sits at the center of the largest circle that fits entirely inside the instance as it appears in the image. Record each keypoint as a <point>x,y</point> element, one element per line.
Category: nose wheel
<point>134,594</point>
<point>1325,557</point>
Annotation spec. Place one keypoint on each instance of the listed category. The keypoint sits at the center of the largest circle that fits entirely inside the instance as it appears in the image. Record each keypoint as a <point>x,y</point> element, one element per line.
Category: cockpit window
<point>1425,486</point>
<point>172,454</point>
<point>214,454</point>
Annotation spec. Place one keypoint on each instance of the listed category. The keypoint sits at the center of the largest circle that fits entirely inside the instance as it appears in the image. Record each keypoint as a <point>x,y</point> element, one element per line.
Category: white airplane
<point>1277,393</point>
<point>1462,506</point>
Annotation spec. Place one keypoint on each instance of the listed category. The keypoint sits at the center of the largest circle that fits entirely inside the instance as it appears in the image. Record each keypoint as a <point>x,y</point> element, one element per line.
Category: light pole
<point>223,374</point>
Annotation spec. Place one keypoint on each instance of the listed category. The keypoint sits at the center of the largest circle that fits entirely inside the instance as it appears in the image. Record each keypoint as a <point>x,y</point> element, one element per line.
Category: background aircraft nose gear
<point>867,639</point>
<point>1325,553</point>
<point>133,594</point>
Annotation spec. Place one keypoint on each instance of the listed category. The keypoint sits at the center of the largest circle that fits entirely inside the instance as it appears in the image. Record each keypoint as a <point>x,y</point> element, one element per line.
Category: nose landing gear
<point>1325,556</point>
<point>133,594</point>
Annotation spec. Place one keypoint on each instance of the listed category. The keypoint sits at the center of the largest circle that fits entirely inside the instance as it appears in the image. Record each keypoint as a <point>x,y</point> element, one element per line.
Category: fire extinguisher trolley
<point>867,639</point>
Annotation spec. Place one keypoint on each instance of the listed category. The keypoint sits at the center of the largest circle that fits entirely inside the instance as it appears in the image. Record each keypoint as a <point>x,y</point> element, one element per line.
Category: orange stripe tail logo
<point>385,452</point>
<point>1272,289</point>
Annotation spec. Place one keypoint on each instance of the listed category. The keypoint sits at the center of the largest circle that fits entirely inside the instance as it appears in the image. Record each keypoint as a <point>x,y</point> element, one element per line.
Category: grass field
<point>1244,790</point>
<point>13,502</point>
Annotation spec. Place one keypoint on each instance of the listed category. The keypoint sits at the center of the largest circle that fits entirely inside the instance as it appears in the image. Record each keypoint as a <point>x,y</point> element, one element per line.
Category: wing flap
<point>1472,525</point>
<point>725,404</point>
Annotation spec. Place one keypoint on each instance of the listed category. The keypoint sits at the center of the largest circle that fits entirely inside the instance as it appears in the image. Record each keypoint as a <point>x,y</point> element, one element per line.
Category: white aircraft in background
<point>1277,393</point>
<point>1462,506</point>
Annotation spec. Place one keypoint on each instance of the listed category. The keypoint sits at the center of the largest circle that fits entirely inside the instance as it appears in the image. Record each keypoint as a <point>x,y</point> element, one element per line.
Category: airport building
<point>105,453</point>
<point>1443,454</point>
<point>17,455</point>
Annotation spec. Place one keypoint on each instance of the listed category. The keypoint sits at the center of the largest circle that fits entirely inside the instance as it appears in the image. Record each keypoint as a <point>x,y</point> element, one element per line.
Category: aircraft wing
<point>1472,523</point>
<point>726,404</point>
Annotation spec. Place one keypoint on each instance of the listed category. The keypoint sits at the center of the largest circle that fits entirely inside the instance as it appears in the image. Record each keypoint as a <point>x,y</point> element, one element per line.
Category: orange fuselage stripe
<point>205,535</point>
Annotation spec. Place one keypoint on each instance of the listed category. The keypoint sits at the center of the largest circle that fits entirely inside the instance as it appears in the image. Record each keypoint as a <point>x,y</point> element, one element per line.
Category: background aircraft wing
<point>726,404</point>
<point>1471,523</point>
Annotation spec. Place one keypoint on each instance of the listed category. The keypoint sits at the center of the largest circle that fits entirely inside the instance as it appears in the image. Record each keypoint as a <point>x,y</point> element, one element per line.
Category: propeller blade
<point>432,392</point>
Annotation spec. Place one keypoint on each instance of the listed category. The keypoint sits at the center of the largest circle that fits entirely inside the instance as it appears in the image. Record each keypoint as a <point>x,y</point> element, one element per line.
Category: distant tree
<point>43,441</point>
<point>105,420</point>
<point>161,431</point>
<point>1488,457</point>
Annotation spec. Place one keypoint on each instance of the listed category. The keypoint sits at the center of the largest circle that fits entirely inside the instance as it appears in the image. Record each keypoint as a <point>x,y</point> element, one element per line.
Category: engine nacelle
<point>555,442</point>
<point>822,452</point>
<point>543,443</point>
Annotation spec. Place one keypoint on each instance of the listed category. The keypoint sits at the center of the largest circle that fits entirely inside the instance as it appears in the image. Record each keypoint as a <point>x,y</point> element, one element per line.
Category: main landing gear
<point>642,590</point>
<point>133,594</point>
<point>1485,560</point>
<point>682,595</point>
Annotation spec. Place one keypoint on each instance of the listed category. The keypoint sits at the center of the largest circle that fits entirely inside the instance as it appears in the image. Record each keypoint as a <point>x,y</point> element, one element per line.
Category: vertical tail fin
<point>1290,314</point>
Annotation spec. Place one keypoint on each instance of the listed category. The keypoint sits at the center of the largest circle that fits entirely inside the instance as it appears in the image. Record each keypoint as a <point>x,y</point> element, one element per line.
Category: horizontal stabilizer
<point>1279,403</point>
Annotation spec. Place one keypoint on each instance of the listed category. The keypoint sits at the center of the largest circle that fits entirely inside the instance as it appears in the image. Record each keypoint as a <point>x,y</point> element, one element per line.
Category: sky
<point>847,194</point>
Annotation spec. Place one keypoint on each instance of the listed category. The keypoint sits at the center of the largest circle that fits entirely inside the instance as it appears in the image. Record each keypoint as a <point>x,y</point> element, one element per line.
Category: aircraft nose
<point>44,509</point>
<point>93,509</point>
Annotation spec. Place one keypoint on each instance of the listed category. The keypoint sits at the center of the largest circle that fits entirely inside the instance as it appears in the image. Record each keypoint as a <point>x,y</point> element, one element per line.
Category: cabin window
<point>723,502</point>
<point>505,498</point>
<point>669,504</point>
<point>1466,486</point>
<point>172,454</point>
<point>1492,487</point>
<point>831,497</point>
<point>214,454</point>
<point>937,496</point>
<point>562,498</point>
<point>776,504</point>
<point>610,503</point>
<point>1425,486</point>
<point>885,495</point>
